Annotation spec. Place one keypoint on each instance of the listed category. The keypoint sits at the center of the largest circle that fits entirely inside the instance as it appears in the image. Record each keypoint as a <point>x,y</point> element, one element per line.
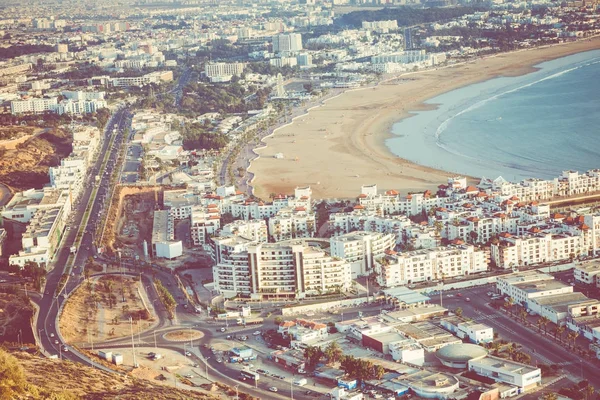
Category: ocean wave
<point>444,124</point>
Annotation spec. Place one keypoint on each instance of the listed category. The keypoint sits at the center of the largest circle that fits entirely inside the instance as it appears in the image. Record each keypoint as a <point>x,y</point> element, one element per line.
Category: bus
<point>249,321</point>
<point>249,375</point>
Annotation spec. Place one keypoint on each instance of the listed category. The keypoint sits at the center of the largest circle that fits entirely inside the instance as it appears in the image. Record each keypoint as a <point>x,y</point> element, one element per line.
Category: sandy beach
<point>339,146</point>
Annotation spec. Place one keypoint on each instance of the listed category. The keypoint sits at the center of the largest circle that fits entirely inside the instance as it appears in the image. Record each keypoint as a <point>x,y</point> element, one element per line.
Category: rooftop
<point>461,352</point>
<point>541,286</point>
<point>505,365</point>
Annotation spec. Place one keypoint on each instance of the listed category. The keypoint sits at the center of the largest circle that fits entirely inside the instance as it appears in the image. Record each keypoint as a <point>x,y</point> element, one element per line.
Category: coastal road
<point>543,349</point>
<point>49,305</point>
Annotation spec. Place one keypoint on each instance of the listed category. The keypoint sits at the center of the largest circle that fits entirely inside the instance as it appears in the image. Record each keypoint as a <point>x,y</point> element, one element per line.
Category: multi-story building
<point>291,223</point>
<point>41,237</point>
<point>204,221</point>
<point>525,286</point>
<point>588,273</point>
<point>254,230</point>
<point>397,269</point>
<point>523,376</point>
<point>287,43</point>
<point>69,174</point>
<point>361,220</point>
<point>23,205</point>
<point>164,244</point>
<point>34,105</point>
<point>221,72</point>
<point>290,269</point>
<point>534,248</point>
<point>139,81</point>
<point>360,249</point>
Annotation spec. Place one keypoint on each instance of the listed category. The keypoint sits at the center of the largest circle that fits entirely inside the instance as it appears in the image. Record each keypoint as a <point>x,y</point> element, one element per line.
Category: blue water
<point>535,125</point>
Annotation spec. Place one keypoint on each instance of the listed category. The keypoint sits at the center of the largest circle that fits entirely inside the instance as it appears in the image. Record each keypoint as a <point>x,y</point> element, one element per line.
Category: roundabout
<point>183,335</point>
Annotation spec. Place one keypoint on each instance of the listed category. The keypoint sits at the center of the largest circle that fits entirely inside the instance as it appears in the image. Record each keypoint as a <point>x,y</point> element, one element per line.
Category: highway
<point>94,192</point>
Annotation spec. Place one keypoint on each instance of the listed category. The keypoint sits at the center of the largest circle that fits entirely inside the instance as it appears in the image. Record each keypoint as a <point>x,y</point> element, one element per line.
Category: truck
<point>301,382</point>
<point>249,321</point>
<point>73,249</point>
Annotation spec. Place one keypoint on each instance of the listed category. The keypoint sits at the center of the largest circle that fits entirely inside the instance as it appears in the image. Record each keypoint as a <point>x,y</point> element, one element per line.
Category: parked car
<point>273,389</point>
<point>256,333</point>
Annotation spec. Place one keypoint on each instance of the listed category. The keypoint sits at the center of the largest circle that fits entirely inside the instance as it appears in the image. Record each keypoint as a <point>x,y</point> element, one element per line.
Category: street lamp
<point>155,340</point>
<point>236,392</point>
<point>206,367</point>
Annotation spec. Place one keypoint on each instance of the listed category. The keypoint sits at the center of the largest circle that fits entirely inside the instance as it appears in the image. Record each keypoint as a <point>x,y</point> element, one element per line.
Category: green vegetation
<point>24,49</point>
<point>361,370</point>
<point>198,136</point>
<point>12,377</point>
<point>166,298</point>
<point>201,98</point>
<point>405,15</point>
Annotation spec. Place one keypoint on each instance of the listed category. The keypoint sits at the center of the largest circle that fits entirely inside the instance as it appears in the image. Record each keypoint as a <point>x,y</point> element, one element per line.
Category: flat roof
<point>387,337</point>
<point>541,286</point>
<point>505,365</point>
<point>593,266</point>
<point>461,352</point>
<point>406,295</point>
<point>525,276</point>
<point>160,226</point>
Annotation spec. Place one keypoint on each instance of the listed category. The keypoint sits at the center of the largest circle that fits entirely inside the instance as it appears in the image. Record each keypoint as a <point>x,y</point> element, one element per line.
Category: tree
<point>544,322</point>
<point>12,377</point>
<point>509,304</point>
<point>549,396</point>
<point>523,315</point>
<point>278,320</point>
<point>589,391</point>
<point>333,352</point>
<point>458,312</point>
<point>312,355</point>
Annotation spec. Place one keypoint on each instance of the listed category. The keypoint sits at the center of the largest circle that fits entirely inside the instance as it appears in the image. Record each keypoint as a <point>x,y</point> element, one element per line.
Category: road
<point>207,362</point>
<point>540,348</point>
<point>49,305</point>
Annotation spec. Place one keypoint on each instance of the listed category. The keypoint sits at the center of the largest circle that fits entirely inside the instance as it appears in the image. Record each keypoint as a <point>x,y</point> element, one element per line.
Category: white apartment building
<point>291,223</point>
<point>289,269</point>
<point>34,105</point>
<point>204,222</point>
<point>248,209</point>
<point>476,332</point>
<point>392,203</point>
<point>254,230</point>
<point>362,220</point>
<point>407,351</point>
<point>402,57</point>
<point>180,202</point>
<point>360,249</point>
<point>588,273</point>
<point>513,251</point>
<point>70,174</point>
<point>380,25</point>
<point>523,376</point>
<point>398,269</point>
<point>41,237</point>
<point>287,43</point>
<point>525,286</point>
<point>23,205</point>
<point>79,106</point>
<point>153,77</point>
<point>281,62</point>
<point>81,95</point>
<point>303,332</point>
<point>222,71</point>
<point>164,244</point>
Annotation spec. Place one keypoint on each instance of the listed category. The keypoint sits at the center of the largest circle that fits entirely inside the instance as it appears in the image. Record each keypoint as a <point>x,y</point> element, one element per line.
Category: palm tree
<point>523,315</point>
<point>510,303</point>
<point>559,330</point>
<point>589,391</point>
<point>571,337</point>
<point>549,396</point>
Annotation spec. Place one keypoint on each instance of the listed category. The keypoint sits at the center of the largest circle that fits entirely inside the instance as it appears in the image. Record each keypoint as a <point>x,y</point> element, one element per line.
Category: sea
<point>534,125</point>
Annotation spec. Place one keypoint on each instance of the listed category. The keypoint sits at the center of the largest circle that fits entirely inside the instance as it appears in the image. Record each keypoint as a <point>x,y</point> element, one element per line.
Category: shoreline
<point>343,139</point>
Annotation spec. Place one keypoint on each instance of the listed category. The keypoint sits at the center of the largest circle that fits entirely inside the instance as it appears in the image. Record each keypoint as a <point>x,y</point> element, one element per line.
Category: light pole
<point>292,387</point>
<point>156,347</point>
<point>132,341</point>
<point>206,367</point>
<point>236,392</point>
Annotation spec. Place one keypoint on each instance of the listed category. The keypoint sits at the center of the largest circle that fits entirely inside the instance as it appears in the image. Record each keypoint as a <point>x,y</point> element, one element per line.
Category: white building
<point>254,230</point>
<point>525,286</point>
<point>222,72</point>
<point>34,105</point>
<point>204,222</point>
<point>588,273</point>
<point>407,351</point>
<point>523,376</point>
<point>291,223</point>
<point>360,249</point>
<point>164,244</point>
<point>290,269</point>
<point>476,333</point>
<point>398,269</point>
<point>287,43</point>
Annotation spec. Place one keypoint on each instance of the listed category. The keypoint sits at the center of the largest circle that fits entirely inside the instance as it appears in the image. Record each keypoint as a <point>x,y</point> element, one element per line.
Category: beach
<point>340,145</point>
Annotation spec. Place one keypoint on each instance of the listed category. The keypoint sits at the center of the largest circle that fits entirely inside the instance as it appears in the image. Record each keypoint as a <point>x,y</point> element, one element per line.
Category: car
<point>450,295</point>
<point>256,333</point>
<point>467,299</point>
<point>219,360</point>
<point>65,348</point>
<point>490,294</point>
<point>459,294</point>
<point>56,342</point>
<point>243,338</point>
<point>261,371</point>
<point>52,335</point>
<point>187,353</point>
<point>222,329</point>
<point>280,376</point>
<point>273,389</point>
<point>189,376</point>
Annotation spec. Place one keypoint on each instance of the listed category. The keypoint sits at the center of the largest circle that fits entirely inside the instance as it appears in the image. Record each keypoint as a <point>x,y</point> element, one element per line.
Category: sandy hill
<point>26,376</point>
